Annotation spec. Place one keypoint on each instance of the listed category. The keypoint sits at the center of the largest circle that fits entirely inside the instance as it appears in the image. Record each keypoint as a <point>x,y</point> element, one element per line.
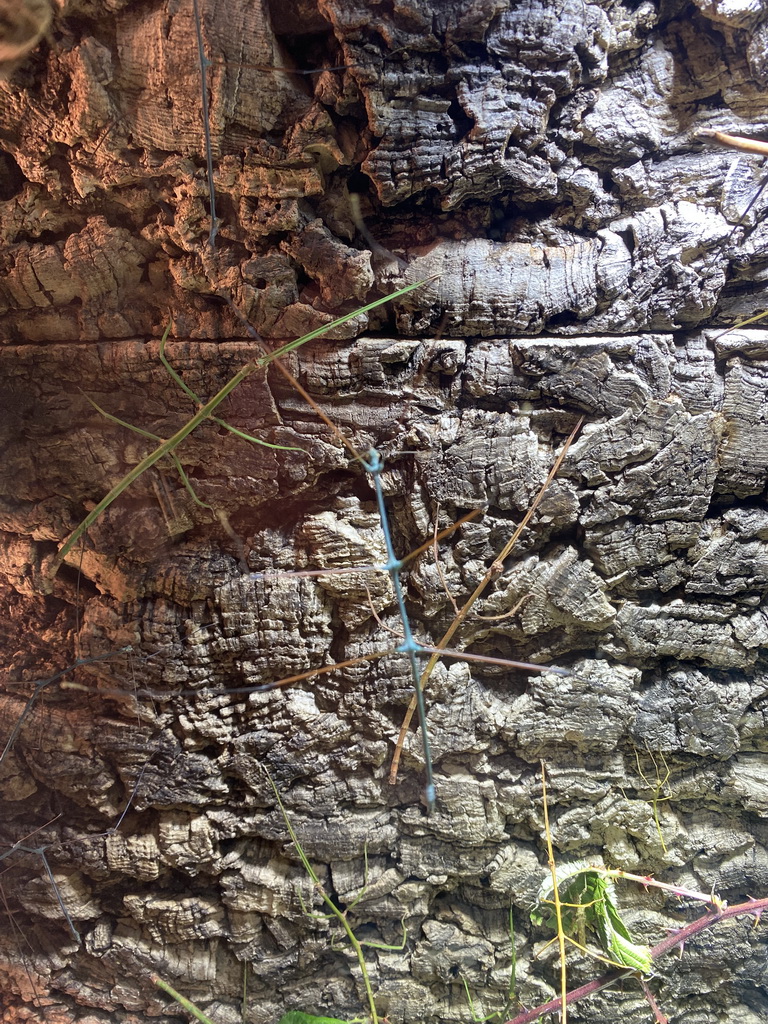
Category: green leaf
<point>588,900</point>
<point>298,1017</point>
<point>631,954</point>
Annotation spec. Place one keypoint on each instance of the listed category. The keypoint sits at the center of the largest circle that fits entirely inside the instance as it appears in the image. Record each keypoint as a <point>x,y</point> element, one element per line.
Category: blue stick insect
<point>372,463</point>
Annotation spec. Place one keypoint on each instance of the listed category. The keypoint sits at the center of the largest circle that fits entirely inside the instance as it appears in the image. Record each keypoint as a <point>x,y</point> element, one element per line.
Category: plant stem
<point>338,914</point>
<point>493,571</point>
<point>563,1002</point>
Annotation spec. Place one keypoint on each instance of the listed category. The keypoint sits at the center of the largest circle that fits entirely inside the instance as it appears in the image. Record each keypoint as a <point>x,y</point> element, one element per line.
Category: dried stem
<point>493,571</point>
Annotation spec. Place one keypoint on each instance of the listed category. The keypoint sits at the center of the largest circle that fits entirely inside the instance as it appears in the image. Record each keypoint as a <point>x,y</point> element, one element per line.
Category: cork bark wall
<point>549,162</point>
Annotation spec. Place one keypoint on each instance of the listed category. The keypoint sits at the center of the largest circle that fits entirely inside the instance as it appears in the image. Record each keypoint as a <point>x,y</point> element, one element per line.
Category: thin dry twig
<point>741,142</point>
<point>439,567</point>
<point>494,570</point>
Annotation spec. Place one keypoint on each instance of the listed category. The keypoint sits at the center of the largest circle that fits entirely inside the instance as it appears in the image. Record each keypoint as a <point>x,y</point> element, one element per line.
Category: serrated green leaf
<point>630,954</point>
<point>588,897</point>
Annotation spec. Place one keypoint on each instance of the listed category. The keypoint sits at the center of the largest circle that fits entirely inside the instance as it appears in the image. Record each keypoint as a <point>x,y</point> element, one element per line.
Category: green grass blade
<point>203,413</point>
<point>222,423</point>
<point>148,462</point>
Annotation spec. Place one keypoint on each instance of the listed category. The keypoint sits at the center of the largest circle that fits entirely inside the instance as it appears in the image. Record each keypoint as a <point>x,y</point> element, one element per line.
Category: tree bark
<point>547,161</point>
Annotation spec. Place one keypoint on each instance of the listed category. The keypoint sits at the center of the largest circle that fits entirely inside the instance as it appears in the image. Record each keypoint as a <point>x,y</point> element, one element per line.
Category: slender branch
<point>555,900</point>
<point>735,141</point>
<point>493,571</point>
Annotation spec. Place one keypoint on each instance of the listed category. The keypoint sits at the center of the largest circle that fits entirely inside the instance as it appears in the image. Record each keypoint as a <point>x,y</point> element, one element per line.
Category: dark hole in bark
<point>286,15</point>
<point>11,177</point>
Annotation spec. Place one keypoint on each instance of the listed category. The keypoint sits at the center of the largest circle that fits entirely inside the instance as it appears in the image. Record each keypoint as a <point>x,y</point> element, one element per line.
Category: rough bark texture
<point>543,158</point>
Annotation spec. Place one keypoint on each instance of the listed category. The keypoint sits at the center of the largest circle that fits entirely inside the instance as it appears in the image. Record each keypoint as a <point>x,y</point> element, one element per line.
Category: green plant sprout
<point>657,789</point>
<point>335,911</point>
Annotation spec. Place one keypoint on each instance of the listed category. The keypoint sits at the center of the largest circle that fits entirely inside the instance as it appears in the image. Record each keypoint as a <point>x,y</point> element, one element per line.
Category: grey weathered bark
<point>544,158</point>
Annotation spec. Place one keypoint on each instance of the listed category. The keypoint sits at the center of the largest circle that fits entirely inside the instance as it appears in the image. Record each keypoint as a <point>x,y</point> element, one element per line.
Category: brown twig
<point>494,570</point>
<point>439,567</point>
<point>735,141</point>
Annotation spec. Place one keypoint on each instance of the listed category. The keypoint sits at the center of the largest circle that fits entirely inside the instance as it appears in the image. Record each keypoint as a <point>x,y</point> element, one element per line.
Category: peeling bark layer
<point>544,159</point>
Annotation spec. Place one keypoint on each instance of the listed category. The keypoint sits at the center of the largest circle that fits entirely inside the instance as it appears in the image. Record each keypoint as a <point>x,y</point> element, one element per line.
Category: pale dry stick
<point>735,141</point>
<point>439,568</point>
<point>466,518</point>
<point>485,659</point>
<point>555,900</point>
<point>323,670</point>
<point>494,570</point>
